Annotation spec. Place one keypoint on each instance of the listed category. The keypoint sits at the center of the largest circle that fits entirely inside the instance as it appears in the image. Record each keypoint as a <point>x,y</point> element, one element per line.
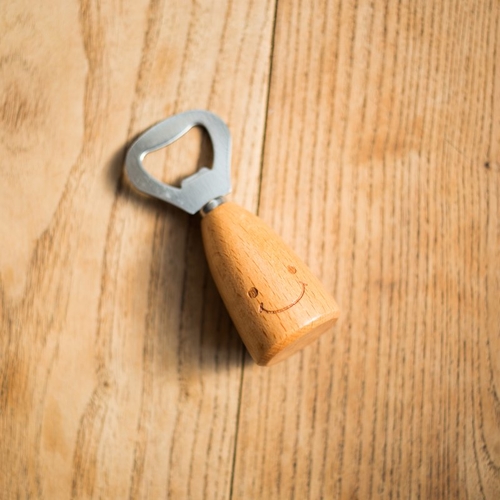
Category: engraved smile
<point>276,311</point>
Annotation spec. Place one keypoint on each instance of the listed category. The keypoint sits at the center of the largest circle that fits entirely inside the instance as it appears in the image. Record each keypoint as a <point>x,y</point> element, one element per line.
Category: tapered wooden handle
<point>277,305</point>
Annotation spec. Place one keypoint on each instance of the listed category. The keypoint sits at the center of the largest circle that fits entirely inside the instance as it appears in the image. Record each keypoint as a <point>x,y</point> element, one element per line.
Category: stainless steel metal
<point>197,190</point>
<point>216,202</point>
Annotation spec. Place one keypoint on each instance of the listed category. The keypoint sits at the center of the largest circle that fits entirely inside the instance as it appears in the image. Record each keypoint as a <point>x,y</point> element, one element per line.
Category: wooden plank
<point>381,169</point>
<point>120,372</point>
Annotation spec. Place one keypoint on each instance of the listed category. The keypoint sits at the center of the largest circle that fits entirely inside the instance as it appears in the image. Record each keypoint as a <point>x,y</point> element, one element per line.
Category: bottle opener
<point>276,303</point>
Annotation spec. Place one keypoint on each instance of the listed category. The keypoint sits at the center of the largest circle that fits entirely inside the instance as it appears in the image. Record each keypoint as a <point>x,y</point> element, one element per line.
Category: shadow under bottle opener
<point>276,303</point>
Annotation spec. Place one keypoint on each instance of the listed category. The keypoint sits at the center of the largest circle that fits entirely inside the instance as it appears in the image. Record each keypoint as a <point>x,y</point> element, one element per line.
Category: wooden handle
<point>277,305</point>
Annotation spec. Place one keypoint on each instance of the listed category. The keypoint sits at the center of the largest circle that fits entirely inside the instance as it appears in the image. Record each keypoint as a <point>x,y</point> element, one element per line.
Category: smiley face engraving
<point>253,293</point>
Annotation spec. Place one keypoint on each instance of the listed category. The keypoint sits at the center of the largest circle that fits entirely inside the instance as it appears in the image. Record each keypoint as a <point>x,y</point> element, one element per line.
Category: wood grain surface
<point>367,134</point>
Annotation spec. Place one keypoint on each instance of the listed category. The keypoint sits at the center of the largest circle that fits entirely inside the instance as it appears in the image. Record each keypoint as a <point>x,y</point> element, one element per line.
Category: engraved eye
<point>253,292</point>
<point>292,269</point>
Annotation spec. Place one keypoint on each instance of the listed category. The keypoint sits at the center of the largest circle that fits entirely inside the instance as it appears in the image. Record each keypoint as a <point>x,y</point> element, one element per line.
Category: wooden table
<point>367,134</point>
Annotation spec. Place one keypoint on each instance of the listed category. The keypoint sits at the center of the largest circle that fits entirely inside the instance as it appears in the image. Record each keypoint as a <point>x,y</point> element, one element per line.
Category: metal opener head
<point>204,189</point>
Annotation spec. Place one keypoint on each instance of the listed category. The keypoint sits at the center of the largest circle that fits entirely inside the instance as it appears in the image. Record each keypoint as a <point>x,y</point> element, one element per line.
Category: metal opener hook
<point>201,191</point>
